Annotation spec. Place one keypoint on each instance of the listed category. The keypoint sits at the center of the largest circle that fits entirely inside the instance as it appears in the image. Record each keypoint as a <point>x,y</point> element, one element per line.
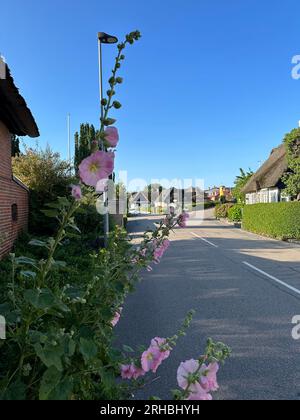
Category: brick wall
<point>10,193</point>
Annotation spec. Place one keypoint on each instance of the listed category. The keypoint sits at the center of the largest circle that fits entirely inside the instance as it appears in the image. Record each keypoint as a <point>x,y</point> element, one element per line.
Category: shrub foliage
<point>235,213</point>
<point>221,211</point>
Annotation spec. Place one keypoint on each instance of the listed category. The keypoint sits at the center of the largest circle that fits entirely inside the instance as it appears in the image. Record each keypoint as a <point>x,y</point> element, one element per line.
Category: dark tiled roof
<point>14,112</point>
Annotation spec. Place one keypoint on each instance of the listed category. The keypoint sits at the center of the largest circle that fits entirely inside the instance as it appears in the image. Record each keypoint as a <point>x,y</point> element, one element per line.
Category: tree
<point>83,142</point>
<point>15,146</point>
<point>47,177</point>
<point>239,183</point>
<point>292,178</point>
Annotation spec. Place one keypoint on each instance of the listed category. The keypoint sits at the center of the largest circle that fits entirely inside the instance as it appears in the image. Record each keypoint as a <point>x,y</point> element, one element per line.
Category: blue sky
<point>207,90</point>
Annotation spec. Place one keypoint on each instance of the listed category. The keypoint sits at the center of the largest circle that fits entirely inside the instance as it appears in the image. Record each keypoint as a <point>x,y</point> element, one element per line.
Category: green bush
<point>235,213</point>
<point>47,176</point>
<point>221,211</point>
<point>276,220</point>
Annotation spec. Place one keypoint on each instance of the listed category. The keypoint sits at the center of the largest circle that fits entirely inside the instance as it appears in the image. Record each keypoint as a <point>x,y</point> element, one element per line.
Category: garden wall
<point>276,220</point>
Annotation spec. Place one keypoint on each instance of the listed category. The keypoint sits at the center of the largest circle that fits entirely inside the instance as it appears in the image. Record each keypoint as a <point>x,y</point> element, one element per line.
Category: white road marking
<point>282,283</point>
<point>205,240</point>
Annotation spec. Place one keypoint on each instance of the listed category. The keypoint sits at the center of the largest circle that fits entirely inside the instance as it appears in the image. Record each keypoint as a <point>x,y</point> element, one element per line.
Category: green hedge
<point>276,220</point>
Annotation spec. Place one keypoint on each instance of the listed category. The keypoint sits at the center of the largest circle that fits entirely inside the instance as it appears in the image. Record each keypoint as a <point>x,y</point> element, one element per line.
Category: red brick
<point>10,193</point>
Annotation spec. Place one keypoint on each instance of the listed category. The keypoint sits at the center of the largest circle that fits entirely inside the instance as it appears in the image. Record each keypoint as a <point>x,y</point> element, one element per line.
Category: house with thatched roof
<point>15,118</point>
<point>266,184</point>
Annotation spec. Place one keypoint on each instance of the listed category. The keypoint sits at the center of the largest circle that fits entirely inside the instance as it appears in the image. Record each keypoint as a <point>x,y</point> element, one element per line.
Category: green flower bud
<point>118,65</point>
<point>122,57</point>
<point>117,105</point>
<point>119,80</point>
<point>112,81</point>
<point>104,102</point>
<point>111,93</point>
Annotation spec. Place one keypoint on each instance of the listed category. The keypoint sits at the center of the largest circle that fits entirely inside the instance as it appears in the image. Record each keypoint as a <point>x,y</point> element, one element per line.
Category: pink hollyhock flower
<point>127,371</point>
<point>131,372</point>
<point>151,359</point>
<point>182,219</point>
<point>138,372</point>
<point>102,186</point>
<point>186,369</point>
<point>155,355</point>
<point>166,244</point>
<point>198,394</point>
<point>117,318</point>
<point>209,377</point>
<point>98,166</point>
<point>76,192</point>
<point>111,136</point>
<point>162,345</point>
<point>206,383</point>
<point>159,250</point>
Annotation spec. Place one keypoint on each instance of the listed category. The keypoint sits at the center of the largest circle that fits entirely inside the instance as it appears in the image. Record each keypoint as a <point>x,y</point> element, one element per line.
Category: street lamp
<point>104,38</point>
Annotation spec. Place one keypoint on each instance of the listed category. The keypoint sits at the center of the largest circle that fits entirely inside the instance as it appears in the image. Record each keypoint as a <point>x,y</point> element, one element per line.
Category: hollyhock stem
<point>60,235</point>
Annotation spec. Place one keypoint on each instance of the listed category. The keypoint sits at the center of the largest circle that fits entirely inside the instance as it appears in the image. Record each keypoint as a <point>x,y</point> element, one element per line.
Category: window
<point>14,212</point>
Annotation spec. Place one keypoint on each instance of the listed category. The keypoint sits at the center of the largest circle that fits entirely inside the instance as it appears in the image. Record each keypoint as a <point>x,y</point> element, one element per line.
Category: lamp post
<point>104,38</point>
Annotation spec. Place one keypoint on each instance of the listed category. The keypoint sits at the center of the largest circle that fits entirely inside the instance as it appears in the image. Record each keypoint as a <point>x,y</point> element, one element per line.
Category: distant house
<point>15,118</point>
<point>215,193</point>
<point>138,201</point>
<point>266,184</point>
<point>212,194</point>
<point>161,201</point>
<point>182,197</point>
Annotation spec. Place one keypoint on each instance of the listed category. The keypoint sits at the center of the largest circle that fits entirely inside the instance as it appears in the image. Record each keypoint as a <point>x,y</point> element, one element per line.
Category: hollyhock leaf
<point>53,205</point>
<point>28,274</point>
<point>15,392</point>
<point>59,264</point>
<point>128,349</point>
<point>109,121</point>
<point>63,391</point>
<point>50,381</point>
<point>88,349</point>
<point>38,243</point>
<point>40,299</point>
<point>50,355</point>
<point>44,300</point>
<point>25,261</point>
<point>71,347</point>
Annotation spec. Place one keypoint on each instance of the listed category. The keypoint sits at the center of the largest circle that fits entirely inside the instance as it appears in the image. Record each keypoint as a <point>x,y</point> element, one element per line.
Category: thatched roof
<point>14,112</point>
<point>270,173</point>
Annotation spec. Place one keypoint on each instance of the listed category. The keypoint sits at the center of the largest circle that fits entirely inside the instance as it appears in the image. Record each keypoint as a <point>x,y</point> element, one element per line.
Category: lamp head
<point>107,39</point>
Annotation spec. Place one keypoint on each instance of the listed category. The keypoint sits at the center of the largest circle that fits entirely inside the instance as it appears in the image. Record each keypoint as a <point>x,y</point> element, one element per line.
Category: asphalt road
<point>245,289</point>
